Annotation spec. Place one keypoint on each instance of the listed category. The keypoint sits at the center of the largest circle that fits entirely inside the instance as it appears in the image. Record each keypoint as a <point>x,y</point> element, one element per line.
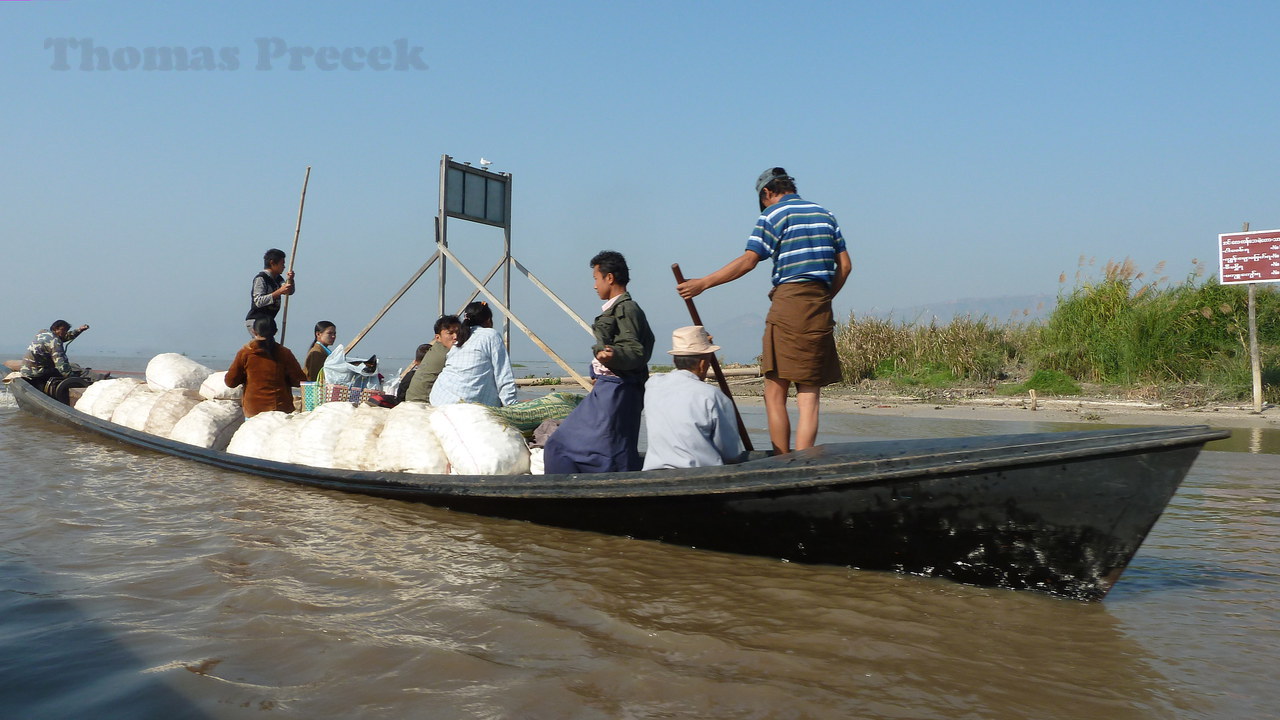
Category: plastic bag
<point>338,370</point>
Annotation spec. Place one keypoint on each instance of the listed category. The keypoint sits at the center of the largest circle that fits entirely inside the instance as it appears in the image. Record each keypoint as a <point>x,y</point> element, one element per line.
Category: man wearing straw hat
<point>689,423</point>
<point>810,265</point>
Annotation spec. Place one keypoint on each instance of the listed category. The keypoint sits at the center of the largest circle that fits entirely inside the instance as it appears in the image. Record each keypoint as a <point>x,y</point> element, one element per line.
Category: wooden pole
<point>506,311</point>
<point>394,299</point>
<point>715,364</point>
<point>293,254</point>
<point>1255,358</point>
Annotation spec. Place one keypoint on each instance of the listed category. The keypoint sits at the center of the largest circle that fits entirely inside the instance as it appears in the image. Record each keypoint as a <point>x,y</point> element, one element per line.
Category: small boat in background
<point>1060,513</point>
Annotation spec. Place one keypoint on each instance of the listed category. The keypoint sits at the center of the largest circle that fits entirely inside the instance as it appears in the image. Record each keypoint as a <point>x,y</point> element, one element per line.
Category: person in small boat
<point>477,368</point>
<point>810,266</point>
<point>268,371</point>
<point>433,362</point>
<point>406,377</point>
<point>266,294</point>
<point>688,422</point>
<point>46,356</point>
<point>602,434</point>
<point>313,362</point>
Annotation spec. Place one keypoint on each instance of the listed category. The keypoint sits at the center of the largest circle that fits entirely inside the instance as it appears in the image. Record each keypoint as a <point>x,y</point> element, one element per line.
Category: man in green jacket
<point>603,433</point>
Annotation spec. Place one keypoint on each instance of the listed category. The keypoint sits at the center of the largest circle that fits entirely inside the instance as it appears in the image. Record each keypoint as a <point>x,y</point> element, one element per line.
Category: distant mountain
<point>1021,308</point>
<point>739,335</point>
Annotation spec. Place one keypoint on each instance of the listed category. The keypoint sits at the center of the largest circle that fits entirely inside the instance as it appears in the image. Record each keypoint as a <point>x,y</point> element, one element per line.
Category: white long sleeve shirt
<point>479,372</point>
<point>689,423</point>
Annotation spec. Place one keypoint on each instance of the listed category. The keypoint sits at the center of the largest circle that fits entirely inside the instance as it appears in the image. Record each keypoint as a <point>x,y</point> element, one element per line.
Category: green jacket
<point>625,328</point>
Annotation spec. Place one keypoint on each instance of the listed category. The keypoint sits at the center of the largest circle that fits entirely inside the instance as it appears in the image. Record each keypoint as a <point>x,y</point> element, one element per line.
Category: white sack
<point>172,406</point>
<point>215,387</point>
<point>103,397</point>
<point>167,371</point>
<point>280,446</point>
<point>477,443</point>
<point>357,445</point>
<point>536,464</point>
<point>252,437</point>
<point>135,409</point>
<point>318,433</point>
<point>407,444</point>
<point>210,424</point>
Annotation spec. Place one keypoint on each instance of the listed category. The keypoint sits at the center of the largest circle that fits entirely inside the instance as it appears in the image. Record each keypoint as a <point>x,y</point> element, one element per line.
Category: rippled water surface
<point>133,585</point>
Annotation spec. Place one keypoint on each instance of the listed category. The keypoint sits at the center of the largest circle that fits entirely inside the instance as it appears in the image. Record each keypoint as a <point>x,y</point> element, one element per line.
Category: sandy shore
<point>1087,410</point>
<point>1073,409</point>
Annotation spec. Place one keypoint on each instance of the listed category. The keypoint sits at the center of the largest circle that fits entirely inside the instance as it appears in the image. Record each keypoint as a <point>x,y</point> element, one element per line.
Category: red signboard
<point>1249,257</point>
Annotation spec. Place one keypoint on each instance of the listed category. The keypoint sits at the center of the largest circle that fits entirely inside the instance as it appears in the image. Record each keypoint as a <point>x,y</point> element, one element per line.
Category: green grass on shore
<point>1120,330</point>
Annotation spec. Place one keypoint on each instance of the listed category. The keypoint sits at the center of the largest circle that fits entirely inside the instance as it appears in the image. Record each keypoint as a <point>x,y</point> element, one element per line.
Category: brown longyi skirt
<point>799,335</point>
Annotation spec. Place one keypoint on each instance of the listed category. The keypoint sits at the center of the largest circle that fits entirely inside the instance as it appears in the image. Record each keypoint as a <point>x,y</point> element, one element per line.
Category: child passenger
<point>602,434</point>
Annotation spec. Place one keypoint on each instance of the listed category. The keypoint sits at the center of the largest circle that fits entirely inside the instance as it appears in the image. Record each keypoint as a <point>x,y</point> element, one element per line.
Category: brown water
<point>134,585</point>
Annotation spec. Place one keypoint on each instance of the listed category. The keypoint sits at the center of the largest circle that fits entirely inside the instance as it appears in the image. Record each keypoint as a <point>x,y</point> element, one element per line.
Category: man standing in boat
<point>47,355</point>
<point>602,434</point>
<point>266,295</point>
<point>810,265</point>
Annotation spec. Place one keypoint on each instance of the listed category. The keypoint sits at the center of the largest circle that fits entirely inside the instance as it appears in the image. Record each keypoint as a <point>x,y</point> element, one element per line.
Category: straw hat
<point>691,340</point>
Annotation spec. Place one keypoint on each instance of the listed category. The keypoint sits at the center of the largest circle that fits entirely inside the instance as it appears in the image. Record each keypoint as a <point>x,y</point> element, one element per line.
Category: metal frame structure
<point>480,195</point>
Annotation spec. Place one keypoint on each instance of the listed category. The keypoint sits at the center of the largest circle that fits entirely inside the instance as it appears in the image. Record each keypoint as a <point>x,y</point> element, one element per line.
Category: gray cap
<point>769,176</point>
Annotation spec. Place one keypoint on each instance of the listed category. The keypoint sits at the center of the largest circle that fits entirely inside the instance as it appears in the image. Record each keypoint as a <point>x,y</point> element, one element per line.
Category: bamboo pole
<point>715,364</point>
<point>293,254</point>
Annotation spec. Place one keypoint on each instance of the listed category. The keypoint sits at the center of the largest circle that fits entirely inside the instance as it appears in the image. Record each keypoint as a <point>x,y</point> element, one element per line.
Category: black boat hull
<point>1061,513</point>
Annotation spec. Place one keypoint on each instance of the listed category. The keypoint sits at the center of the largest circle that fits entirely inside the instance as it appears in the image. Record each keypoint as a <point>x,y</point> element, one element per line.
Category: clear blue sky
<point>968,150</point>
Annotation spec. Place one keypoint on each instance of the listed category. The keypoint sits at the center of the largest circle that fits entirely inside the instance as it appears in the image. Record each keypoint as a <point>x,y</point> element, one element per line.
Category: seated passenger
<point>406,377</point>
<point>477,368</point>
<point>313,362</point>
<point>46,356</point>
<point>267,369</point>
<point>689,423</point>
<point>419,389</point>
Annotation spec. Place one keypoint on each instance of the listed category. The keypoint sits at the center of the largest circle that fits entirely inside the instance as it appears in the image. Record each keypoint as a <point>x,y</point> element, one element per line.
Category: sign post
<point>1250,257</point>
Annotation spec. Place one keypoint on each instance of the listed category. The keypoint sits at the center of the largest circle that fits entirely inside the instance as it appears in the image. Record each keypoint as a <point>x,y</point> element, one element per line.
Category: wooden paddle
<point>715,364</point>
<point>293,254</point>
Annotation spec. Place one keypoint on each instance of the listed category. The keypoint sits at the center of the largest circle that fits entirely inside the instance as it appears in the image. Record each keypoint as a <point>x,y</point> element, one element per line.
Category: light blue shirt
<point>689,423</point>
<point>478,372</point>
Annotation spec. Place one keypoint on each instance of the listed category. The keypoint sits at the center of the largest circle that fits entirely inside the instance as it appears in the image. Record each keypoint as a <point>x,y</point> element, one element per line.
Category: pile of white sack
<point>185,401</point>
<point>181,400</point>
<point>411,437</point>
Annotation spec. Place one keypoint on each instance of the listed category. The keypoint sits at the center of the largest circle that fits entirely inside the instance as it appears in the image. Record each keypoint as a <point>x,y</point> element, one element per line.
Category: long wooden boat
<point>1061,513</point>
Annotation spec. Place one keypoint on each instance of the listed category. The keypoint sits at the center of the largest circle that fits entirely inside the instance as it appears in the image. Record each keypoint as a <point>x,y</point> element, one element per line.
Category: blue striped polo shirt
<point>802,238</point>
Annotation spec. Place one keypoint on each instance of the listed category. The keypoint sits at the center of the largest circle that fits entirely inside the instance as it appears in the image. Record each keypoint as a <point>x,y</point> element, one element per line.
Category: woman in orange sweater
<point>267,370</point>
